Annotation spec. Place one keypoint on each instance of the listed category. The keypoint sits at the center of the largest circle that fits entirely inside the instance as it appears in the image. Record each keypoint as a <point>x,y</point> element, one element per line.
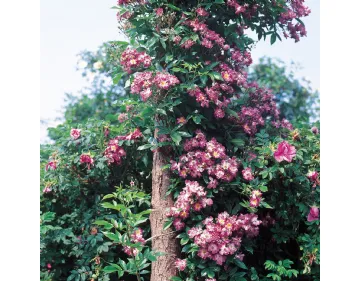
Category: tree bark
<point>163,240</point>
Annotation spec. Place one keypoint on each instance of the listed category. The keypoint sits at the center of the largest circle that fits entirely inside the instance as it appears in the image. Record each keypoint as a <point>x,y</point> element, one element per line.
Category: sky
<point>68,27</point>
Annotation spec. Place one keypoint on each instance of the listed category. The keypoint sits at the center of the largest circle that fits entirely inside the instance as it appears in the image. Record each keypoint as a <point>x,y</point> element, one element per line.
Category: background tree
<point>295,97</point>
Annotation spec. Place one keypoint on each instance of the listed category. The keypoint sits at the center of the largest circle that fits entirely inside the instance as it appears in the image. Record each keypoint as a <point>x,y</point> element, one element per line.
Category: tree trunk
<point>163,240</point>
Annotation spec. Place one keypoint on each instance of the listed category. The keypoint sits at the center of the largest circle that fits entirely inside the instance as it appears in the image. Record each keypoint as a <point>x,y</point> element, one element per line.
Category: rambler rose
<point>86,159</point>
<point>159,12</point>
<point>132,59</point>
<point>180,264</point>
<point>75,133</point>
<point>247,174</point>
<point>122,117</point>
<point>51,165</point>
<point>313,177</point>
<point>255,198</point>
<point>313,214</point>
<point>136,134</point>
<point>285,152</point>
<point>181,120</point>
<point>314,130</point>
<point>221,237</point>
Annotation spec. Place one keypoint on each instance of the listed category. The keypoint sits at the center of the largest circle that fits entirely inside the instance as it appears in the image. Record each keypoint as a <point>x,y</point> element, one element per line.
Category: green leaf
<point>196,119</point>
<point>144,146</point>
<point>204,79</point>
<point>108,196</point>
<point>152,258</point>
<point>240,264</point>
<point>184,241</point>
<point>112,236</point>
<point>263,188</point>
<point>167,224</point>
<point>117,78</point>
<point>176,137</point>
<point>238,142</point>
<point>163,43</point>
<point>173,7</point>
<point>273,38</point>
<point>184,134</point>
<point>106,224</point>
<point>108,205</point>
<point>216,75</point>
<point>176,278</point>
<point>112,268</point>
<point>266,205</point>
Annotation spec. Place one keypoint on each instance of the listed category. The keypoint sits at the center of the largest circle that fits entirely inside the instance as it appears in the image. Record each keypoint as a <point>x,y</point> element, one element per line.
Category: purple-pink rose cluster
<point>206,156</point>
<point>221,237</point>
<point>145,83</point>
<point>192,198</point>
<point>114,152</point>
<point>131,60</point>
<point>135,237</point>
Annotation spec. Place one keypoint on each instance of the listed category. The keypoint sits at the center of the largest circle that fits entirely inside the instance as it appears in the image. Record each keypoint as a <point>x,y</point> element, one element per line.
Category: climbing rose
<point>285,151</point>
<point>130,251</point>
<point>137,236</point>
<point>181,120</point>
<point>180,264</point>
<point>255,199</point>
<point>313,214</point>
<point>247,174</point>
<point>48,265</point>
<point>51,165</point>
<point>132,59</point>
<point>211,279</point>
<point>159,12</point>
<point>222,236</point>
<point>132,136</point>
<point>114,153</point>
<point>86,158</point>
<point>122,117</point>
<point>313,176</point>
<point>202,12</point>
<point>47,189</point>
<point>75,133</point>
<point>314,130</point>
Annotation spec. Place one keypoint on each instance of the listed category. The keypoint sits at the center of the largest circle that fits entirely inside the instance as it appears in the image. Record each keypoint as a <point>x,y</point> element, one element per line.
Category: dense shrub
<point>245,180</point>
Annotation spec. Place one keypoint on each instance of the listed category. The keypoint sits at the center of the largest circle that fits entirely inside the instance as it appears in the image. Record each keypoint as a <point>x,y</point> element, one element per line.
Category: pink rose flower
<point>75,133</point>
<point>87,159</point>
<point>247,174</point>
<point>51,165</point>
<point>313,214</point>
<point>314,130</point>
<point>159,12</point>
<point>312,175</point>
<point>285,151</point>
<point>180,264</point>
<point>122,117</point>
<point>47,189</point>
<point>181,120</point>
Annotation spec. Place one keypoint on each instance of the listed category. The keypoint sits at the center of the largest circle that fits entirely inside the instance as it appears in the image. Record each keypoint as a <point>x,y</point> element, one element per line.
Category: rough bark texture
<point>164,240</point>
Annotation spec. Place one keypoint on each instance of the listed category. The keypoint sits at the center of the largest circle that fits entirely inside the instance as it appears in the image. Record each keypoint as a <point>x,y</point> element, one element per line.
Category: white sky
<point>68,27</point>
